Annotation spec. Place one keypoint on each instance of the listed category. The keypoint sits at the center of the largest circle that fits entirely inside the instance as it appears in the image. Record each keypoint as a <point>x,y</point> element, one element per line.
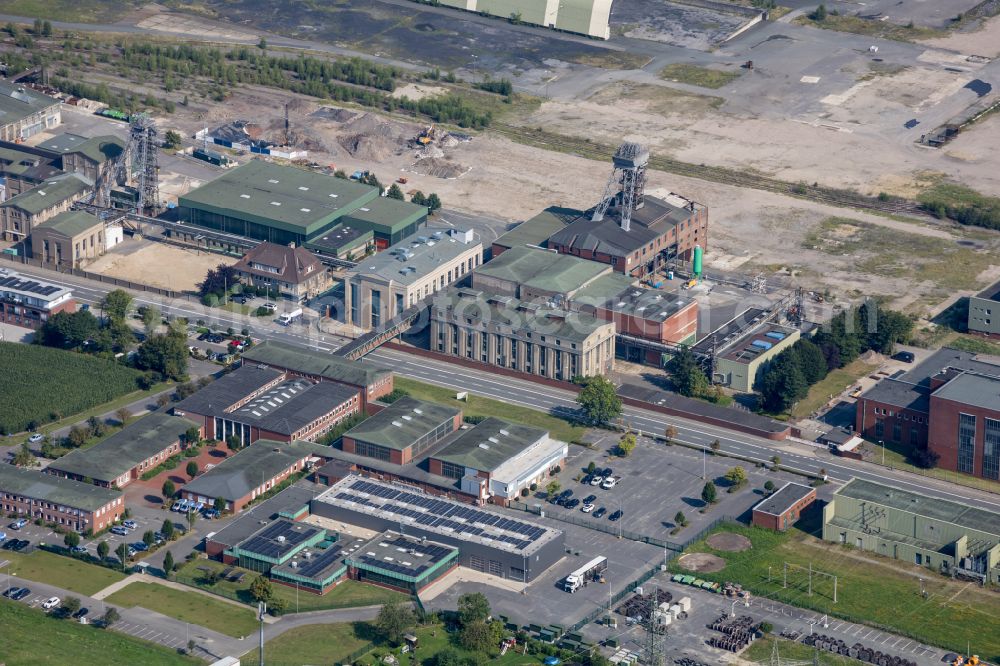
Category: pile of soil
<point>440,168</point>
<point>729,542</point>
<point>334,115</point>
<point>701,562</point>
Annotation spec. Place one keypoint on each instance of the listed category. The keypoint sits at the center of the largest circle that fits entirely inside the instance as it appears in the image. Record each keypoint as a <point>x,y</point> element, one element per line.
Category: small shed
<point>411,641</point>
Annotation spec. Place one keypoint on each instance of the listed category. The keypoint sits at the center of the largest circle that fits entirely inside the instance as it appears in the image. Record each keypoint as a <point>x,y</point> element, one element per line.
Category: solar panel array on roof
<point>445,516</point>
<point>278,538</point>
<point>30,286</point>
<point>313,565</point>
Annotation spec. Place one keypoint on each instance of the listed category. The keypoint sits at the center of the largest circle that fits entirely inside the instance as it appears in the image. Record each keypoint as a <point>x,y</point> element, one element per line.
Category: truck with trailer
<point>591,571</point>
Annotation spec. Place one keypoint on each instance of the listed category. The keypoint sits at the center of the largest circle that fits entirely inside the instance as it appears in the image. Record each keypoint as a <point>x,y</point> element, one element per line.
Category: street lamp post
<point>882,444</point>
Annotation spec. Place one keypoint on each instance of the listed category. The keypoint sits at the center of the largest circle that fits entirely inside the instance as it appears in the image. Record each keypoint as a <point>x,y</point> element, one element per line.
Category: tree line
<point>787,378</point>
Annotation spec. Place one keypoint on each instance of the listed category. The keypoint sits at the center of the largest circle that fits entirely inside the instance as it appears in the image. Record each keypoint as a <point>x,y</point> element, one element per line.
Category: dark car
<point>10,545</point>
<point>905,357</point>
<point>20,594</point>
<point>606,472</point>
<point>589,498</point>
<point>615,516</point>
<point>572,504</point>
<point>81,613</point>
<point>566,493</point>
<point>203,337</point>
<point>600,513</point>
<point>587,479</point>
<point>11,592</point>
<point>20,545</point>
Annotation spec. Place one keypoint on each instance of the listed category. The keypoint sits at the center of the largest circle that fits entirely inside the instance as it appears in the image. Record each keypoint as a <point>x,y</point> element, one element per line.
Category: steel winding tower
<point>629,175</point>
<point>137,164</point>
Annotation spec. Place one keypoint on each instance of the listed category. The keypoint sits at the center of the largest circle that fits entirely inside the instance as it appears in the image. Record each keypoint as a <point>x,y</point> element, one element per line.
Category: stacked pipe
<point>857,651</point>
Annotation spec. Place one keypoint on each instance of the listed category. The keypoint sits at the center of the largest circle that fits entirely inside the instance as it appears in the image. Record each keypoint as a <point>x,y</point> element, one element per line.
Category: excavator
<point>426,136</point>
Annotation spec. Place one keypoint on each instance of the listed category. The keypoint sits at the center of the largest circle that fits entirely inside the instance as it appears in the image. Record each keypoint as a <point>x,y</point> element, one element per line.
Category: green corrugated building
<point>284,204</point>
<point>944,536</point>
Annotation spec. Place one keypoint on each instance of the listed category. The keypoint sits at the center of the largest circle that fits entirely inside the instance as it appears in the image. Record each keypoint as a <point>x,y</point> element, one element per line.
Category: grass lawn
<point>313,644</point>
<point>703,77</point>
<point>896,457</point>
<point>188,607</point>
<point>760,651</point>
<point>832,384</point>
<point>30,637</point>
<point>480,406</point>
<point>433,639</point>
<point>871,590</point>
<point>349,594</point>
<point>65,572</point>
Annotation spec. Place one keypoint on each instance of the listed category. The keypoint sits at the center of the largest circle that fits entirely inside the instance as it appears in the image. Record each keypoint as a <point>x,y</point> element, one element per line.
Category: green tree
<point>165,354</point>
<point>172,139</point>
<point>477,637</point>
<point>167,529</point>
<point>626,444</point>
<point>168,563</point>
<point>116,305</point>
<point>69,606</point>
<point>68,331</point>
<point>591,467</point>
<point>473,607</point>
<point>680,519</point>
<point>192,517</point>
<point>687,377</point>
<point>433,202</point>
<point>709,493</point>
<point>261,589</point>
<point>395,192</point>
<point>103,549</point>
<point>77,436</point>
<point>48,450</point>
<point>122,552</point>
<point>233,443</point>
<point>599,401</point>
<point>669,433</point>
<point>781,385</point>
<point>110,617</point>
<point>552,488</point>
<point>449,656</point>
<point>72,539</point>
<point>192,469</point>
<point>219,505</point>
<point>418,198</point>
<point>192,435</point>
<point>810,360</point>
<point>47,32</point>
<point>819,14</point>
<point>737,476</point>
<point>769,486</point>
<point>393,621</point>
<point>168,489</point>
<point>151,318</point>
<point>148,538</point>
<point>123,415</point>
<point>262,44</point>
<point>24,457</point>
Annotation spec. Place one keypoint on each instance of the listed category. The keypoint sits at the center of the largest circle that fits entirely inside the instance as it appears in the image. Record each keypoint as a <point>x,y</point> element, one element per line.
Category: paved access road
<point>800,456</point>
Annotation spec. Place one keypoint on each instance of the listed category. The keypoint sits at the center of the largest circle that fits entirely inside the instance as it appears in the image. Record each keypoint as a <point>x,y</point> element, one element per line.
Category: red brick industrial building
<point>949,406</point>
<point>784,507</point>
<point>402,431</point>
<point>71,504</point>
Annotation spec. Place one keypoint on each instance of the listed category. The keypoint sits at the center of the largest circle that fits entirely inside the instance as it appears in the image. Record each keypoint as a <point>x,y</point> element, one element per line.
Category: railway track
<point>723,175</point>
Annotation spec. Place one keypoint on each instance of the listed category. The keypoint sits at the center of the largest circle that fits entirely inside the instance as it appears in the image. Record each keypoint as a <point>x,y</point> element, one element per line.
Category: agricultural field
<point>42,384</point>
<point>30,638</point>
<point>871,590</point>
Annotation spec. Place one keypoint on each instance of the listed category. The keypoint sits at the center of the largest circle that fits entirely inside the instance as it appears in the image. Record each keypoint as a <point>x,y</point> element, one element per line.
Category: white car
<point>37,437</point>
<point>587,508</point>
<point>51,603</point>
<point>596,481</point>
<point>609,483</point>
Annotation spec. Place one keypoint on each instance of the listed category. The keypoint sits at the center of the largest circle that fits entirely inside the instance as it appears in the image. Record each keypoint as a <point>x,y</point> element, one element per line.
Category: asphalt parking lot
<point>657,481</point>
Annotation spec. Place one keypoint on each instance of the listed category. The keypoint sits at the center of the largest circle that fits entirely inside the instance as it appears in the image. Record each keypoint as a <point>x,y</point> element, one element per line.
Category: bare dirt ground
<point>985,41</point>
<point>159,265</point>
<point>729,542</point>
<point>702,562</point>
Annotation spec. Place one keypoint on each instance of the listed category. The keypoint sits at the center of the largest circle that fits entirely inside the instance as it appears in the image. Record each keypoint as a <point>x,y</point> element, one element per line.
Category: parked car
<point>11,592</point>
<point>587,479</point>
<point>160,537</point>
<point>180,506</point>
<point>572,503</point>
<point>616,515</point>
<point>596,480</point>
<point>51,603</point>
<point>589,499</point>
<point>119,530</point>
<point>905,357</point>
<point>37,437</point>
<point>210,514</point>
<point>10,544</point>
<point>203,337</point>
<point>587,508</point>
<point>18,524</point>
<point>609,483</point>
<point>81,613</point>
<point>20,594</point>
<point>3,536</point>
<point>78,549</point>
<point>600,512</point>
<point>607,472</point>
<point>139,546</point>
<point>18,546</point>
<point>130,524</point>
